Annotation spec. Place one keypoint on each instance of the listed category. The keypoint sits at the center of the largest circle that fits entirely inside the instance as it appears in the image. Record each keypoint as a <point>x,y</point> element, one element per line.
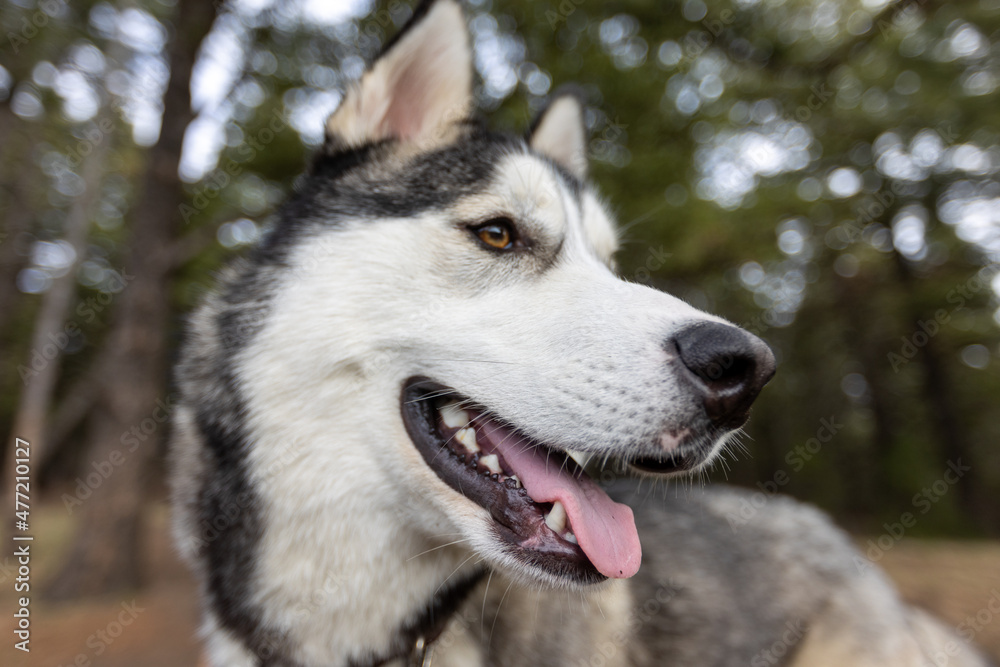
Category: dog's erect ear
<point>419,86</point>
<point>560,132</point>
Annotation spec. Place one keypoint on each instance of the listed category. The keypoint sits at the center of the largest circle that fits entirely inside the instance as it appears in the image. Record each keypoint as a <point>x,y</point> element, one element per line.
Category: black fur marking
<point>358,183</point>
<point>231,526</point>
<point>328,166</point>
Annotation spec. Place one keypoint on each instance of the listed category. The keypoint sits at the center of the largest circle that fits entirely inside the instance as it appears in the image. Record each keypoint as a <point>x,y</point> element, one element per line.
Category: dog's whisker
<point>453,572</point>
<point>475,361</point>
<point>496,617</point>
<point>597,603</point>
<point>431,396</point>
<point>482,612</point>
<point>640,219</point>
<point>467,539</point>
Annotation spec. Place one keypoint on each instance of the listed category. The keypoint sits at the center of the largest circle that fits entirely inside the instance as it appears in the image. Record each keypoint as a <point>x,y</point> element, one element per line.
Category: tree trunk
<point>50,335</point>
<point>129,413</point>
<point>17,211</point>
<point>39,372</point>
<point>68,415</point>
<point>953,441</point>
<point>875,485</point>
<point>18,176</point>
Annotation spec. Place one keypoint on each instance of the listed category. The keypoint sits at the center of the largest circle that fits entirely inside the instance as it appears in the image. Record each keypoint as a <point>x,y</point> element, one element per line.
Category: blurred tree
<point>133,367</point>
<point>54,312</point>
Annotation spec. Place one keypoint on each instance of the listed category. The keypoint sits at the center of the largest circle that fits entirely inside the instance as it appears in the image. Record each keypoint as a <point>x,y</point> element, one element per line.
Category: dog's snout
<point>727,365</point>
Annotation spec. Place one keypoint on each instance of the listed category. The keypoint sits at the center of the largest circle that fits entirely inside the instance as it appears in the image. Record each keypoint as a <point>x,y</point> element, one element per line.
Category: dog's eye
<point>498,233</point>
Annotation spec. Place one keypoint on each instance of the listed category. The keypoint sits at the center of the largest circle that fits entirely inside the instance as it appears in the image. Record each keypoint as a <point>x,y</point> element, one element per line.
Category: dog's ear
<point>560,133</point>
<point>419,86</point>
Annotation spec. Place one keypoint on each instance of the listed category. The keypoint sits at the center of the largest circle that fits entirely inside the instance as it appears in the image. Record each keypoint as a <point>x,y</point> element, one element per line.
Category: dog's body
<point>369,457</point>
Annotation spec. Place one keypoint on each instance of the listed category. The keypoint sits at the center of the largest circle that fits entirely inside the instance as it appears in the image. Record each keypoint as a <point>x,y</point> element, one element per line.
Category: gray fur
<point>711,593</point>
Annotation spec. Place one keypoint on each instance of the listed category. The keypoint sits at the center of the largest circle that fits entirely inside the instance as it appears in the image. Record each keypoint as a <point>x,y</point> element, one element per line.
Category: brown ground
<point>953,579</point>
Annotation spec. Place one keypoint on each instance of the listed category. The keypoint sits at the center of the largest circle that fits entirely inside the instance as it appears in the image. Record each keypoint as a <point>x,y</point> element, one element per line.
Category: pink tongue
<point>605,529</point>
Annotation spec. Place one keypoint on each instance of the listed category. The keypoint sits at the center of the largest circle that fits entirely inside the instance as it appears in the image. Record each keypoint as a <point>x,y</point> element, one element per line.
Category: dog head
<point>450,326</point>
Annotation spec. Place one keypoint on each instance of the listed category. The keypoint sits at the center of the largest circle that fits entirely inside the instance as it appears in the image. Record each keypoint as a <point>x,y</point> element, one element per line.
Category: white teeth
<point>492,463</point>
<point>467,436</point>
<point>453,416</point>
<point>517,480</point>
<point>556,518</point>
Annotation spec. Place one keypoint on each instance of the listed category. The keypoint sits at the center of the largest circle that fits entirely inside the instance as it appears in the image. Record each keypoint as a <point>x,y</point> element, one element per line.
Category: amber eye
<point>497,233</point>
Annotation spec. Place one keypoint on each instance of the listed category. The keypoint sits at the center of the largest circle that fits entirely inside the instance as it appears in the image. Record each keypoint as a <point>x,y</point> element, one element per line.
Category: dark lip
<point>691,453</point>
<point>676,463</point>
<point>518,521</point>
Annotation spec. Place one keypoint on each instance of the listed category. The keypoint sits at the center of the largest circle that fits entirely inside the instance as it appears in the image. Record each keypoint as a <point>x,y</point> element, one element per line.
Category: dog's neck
<point>414,640</point>
<point>380,582</point>
<point>374,603</point>
<point>353,554</point>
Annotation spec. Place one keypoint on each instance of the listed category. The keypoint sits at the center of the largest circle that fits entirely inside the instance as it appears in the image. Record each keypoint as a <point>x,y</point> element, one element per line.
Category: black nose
<point>727,365</point>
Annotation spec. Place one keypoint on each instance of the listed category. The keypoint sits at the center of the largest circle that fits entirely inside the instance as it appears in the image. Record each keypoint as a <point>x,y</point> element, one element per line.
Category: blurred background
<point>823,173</point>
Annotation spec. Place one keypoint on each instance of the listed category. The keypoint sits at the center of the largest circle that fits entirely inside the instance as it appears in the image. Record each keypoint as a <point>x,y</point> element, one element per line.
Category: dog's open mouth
<point>543,504</point>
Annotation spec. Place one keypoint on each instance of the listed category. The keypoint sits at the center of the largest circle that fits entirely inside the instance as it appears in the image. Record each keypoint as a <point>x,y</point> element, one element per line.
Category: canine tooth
<point>453,416</point>
<point>467,436</point>
<point>492,463</point>
<point>570,537</point>
<point>556,518</point>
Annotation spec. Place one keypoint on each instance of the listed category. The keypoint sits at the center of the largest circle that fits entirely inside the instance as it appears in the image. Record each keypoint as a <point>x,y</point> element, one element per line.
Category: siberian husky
<point>387,411</point>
